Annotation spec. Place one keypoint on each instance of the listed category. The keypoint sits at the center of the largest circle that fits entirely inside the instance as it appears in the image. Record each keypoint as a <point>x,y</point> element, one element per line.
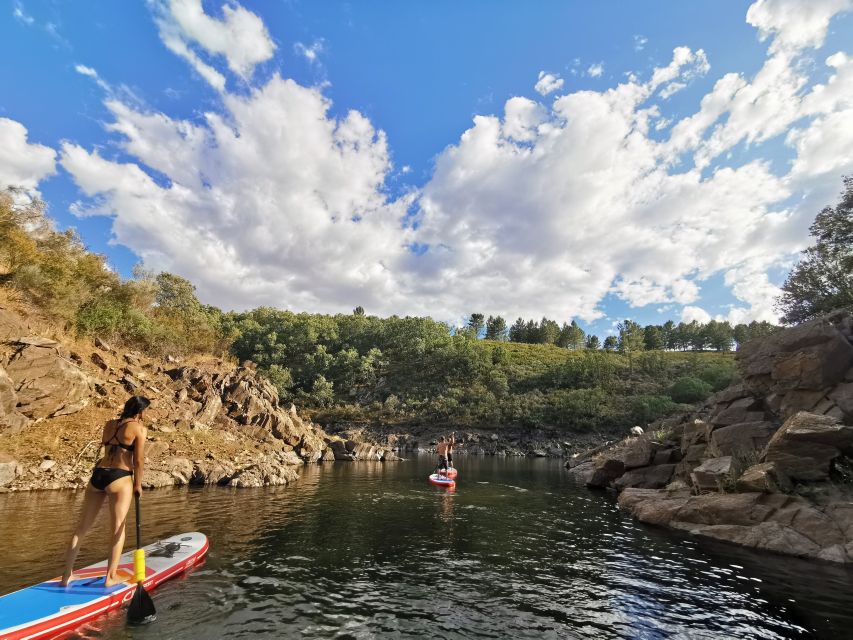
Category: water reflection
<point>371,549</point>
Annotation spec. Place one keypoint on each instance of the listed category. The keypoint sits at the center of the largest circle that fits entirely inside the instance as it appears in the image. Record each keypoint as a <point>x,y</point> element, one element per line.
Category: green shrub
<point>688,390</point>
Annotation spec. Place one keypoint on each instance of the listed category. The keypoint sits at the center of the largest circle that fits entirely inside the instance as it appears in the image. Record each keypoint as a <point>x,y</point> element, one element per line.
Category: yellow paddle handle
<point>139,565</point>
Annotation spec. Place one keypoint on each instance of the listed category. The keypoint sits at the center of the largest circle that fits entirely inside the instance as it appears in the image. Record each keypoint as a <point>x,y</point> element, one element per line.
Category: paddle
<point>141,608</point>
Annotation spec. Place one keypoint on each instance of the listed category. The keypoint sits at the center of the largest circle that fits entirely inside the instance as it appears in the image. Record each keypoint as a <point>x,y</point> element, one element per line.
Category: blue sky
<point>614,195</point>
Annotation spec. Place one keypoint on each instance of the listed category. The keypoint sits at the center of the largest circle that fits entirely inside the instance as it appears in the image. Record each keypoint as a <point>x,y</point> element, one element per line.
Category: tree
<point>475,325</point>
<point>653,337</point>
<point>592,341</point>
<point>571,336</point>
<point>517,331</point>
<point>175,293</point>
<point>549,331</point>
<point>668,331</point>
<point>720,335</point>
<point>632,338</point>
<point>610,343</point>
<point>358,311</point>
<point>495,328</point>
<point>823,279</point>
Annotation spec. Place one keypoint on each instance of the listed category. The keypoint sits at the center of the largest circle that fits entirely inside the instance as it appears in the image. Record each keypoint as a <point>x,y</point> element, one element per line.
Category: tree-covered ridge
<point>631,337</point>
<point>412,370</point>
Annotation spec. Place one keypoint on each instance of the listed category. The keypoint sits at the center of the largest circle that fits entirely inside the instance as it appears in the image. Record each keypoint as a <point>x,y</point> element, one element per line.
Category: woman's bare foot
<point>66,581</point>
<point>111,582</point>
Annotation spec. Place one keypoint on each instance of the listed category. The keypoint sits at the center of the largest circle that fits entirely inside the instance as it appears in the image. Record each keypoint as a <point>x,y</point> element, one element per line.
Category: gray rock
<point>712,474</point>
<point>47,384</point>
<point>742,438</point>
<point>763,478</point>
<point>9,469</point>
<point>655,477</point>
<point>604,471</point>
<point>805,446</point>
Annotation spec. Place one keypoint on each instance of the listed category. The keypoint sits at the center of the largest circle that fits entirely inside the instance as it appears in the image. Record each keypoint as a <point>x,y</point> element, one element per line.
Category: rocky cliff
<point>766,463</point>
<point>211,422</point>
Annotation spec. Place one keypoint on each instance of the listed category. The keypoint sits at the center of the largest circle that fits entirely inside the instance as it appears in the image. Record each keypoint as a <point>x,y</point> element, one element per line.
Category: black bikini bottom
<point>104,476</point>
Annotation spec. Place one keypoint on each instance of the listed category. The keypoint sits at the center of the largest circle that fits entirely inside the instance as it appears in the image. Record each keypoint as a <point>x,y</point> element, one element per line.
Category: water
<point>371,550</point>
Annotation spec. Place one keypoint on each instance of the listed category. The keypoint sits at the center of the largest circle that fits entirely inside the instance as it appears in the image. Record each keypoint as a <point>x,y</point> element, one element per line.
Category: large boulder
<point>806,444</point>
<point>712,474</point>
<point>763,478</point>
<point>742,438</point>
<point>746,409</point>
<point>604,471</point>
<point>654,477</point>
<point>815,355</point>
<point>47,384</point>
<point>775,522</point>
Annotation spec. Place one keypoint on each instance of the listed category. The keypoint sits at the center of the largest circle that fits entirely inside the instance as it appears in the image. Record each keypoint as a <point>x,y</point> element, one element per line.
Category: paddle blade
<point>141,610</point>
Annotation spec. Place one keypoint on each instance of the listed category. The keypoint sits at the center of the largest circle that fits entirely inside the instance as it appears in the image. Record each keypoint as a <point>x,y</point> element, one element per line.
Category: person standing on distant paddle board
<point>441,449</point>
<point>116,476</point>
<point>451,442</point>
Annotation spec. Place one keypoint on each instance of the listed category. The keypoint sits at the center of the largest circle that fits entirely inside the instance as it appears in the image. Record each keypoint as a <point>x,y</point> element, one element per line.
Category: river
<point>369,550</point>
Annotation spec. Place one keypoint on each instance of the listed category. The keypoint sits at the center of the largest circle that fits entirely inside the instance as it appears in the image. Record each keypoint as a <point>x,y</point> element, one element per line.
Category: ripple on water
<point>366,551</point>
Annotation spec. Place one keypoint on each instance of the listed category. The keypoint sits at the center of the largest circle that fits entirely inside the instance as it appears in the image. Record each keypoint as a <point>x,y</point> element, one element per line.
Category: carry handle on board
<point>141,609</point>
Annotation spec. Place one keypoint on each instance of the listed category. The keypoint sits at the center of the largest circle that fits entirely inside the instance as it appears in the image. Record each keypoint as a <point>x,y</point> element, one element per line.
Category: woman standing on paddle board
<point>116,476</point>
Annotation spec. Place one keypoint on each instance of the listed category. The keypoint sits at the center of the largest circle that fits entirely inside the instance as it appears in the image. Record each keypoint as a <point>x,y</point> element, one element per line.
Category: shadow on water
<point>369,549</point>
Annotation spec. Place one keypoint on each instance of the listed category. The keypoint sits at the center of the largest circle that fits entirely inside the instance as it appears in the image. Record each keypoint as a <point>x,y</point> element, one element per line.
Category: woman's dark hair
<point>134,406</point>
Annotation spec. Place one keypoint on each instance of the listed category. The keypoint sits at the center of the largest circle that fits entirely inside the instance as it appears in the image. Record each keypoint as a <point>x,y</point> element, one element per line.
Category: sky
<point>576,160</point>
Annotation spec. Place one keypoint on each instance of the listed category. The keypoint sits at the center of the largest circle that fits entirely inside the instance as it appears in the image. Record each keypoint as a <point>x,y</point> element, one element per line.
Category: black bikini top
<point>117,443</point>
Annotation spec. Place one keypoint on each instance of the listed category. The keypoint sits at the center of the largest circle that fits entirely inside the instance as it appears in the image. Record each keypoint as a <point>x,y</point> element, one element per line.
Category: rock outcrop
<point>762,463</point>
<point>210,422</point>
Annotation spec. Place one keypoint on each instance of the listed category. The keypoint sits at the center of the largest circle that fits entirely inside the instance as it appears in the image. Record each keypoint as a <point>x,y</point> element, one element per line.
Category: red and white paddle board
<point>48,609</point>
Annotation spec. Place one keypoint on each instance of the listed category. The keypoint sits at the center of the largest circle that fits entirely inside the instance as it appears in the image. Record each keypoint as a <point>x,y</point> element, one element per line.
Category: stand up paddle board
<point>451,473</point>
<point>441,480</point>
<point>48,609</point>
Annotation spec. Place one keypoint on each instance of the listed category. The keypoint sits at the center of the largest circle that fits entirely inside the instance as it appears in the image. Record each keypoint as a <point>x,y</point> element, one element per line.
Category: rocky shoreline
<point>766,463</point>
<point>211,422</point>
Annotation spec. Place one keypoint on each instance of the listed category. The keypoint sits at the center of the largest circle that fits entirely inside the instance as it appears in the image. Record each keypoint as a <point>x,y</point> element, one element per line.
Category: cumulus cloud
<point>272,202</point>
<point>22,164</point>
<point>239,36</point>
<point>794,24</point>
<point>689,314</point>
<point>595,70</point>
<point>548,82</point>
<point>536,210</point>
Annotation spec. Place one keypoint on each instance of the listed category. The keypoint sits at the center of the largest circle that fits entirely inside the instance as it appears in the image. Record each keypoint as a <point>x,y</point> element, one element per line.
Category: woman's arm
<point>139,458</point>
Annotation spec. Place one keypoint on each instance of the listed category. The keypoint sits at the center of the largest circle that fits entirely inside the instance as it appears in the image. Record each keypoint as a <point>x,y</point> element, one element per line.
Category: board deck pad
<point>48,609</point>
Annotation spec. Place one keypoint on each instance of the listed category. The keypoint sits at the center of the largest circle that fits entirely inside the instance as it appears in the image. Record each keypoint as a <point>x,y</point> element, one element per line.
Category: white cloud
<point>22,164</point>
<point>672,87</point>
<point>794,24</point>
<point>689,314</point>
<point>548,82</point>
<point>537,210</point>
<point>311,52</point>
<point>595,70</point>
<point>273,202</point>
<point>240,36</point>
<point>640,42</point>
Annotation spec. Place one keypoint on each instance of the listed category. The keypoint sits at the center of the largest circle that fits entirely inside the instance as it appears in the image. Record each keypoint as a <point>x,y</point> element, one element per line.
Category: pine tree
<point>495,328</point>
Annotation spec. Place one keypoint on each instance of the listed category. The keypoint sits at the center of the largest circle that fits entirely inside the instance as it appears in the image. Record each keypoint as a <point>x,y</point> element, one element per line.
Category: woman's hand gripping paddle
<point>141,608</point>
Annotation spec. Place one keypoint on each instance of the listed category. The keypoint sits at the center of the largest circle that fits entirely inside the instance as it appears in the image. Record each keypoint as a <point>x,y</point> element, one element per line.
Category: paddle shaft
<point>138,528</point>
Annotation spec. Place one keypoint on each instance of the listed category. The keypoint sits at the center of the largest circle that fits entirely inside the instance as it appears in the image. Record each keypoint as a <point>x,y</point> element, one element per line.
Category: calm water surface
<point>370,550</point>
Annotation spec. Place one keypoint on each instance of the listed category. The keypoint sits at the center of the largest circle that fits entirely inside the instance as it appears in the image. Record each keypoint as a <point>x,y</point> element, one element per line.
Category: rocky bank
<point>766,463</point>
<point>211,422</point>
